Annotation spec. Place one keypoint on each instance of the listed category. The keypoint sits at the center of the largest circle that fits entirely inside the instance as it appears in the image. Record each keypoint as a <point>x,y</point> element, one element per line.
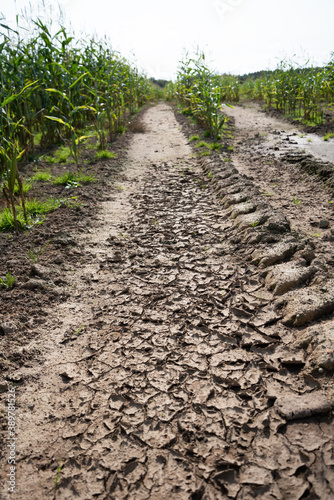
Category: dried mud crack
<point>175,369</point>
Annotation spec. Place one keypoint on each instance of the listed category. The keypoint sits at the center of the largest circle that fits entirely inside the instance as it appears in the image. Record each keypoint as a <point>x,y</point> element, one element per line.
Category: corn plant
<point>200,91</point>
<point>296,91</point>
<point>74,139</point>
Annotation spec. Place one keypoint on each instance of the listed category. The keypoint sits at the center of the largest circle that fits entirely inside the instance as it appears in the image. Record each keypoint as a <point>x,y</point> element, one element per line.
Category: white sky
<point>237,36</point>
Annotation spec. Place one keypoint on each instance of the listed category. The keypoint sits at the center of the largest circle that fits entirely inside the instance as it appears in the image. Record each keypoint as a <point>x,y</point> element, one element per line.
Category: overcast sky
<point>237,36</point>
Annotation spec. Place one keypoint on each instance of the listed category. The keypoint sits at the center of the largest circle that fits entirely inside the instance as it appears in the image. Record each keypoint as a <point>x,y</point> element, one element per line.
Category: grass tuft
<point>194,138</point>
<point>8,281</point>
<point>104,154</point>
<point>7,221</point>
<point>41,176</point>
<point>39,207</point>
<point>73,179</point>
<point>202,144</point>
<point>26,186</point>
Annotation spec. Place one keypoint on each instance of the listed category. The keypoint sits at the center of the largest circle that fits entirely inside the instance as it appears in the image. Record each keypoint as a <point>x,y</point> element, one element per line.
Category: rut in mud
<point>173,371</point>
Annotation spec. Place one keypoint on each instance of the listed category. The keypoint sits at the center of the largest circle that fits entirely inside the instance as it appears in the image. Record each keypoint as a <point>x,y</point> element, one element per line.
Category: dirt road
<point>176,369</point>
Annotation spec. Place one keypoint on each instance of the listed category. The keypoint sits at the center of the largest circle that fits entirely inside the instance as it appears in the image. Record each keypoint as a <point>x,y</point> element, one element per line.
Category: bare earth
<point>194,358</point>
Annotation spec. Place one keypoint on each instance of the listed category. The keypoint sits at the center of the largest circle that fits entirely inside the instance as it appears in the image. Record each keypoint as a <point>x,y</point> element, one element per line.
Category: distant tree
<point>159,83</point>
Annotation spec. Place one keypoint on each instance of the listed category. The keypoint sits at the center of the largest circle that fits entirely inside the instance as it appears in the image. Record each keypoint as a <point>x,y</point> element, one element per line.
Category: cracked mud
<point>169,372</point>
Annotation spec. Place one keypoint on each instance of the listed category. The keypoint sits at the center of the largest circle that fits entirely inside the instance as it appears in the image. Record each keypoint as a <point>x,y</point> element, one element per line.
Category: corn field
<point>54,88</point>
<point>300,93</point>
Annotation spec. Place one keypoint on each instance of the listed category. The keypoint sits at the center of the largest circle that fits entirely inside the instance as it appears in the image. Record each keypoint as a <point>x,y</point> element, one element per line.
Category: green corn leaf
<point>78,140</point>
<point>59,120</point>
<point>78,80</point>
<point>55,91</point>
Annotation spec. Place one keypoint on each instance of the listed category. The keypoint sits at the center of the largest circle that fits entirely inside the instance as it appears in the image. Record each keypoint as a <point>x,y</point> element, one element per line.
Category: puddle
<point>281,142</point>
<point>281,137</point>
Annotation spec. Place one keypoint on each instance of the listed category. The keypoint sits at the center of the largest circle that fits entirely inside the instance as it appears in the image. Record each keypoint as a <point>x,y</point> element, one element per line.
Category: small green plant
<point>50,159</point>
<point>207,133</point>
<point>255,223</point>
<point>26,186</point>
<point>210,174</point>
<point>261,294</point>
<point>104,154</point>
<point>8,223</point>
<point>194,138</point>
<point>73,179</point>
<point>76,332</point>
<point>8,281</point>
<point>40,207</point>
<point>215,146</point>
<point>34,255</point>
<point>121,129</point>
<point>328,136</point>
<point>202,144</point>
<point>58,474</point>
<point>62,154</point>
<point>205,153</point>
<point>41,176</point>
<point>296,201</point>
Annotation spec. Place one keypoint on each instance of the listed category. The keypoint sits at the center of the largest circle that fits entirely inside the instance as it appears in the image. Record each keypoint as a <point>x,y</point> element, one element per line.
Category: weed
<point>261,294</point>
<point>255,223</point>
<point>62,154</point>
<point>40,207</point>
<point>50,159</point>
<point>104,154</point>
<point>194,138</point>
<point>76,332</point>
<point>35,255</point>
<point>41,176</point>
<point>26,186</point>
<point>205,153</point>
<point>121,129</point>
<point>73,179</point>
<point>328,136</point>
<point>215,146</point>
<point>58,474</point>
<point>296,201</point>
<point>210,174</point>
<point>8,281</point>
<point>202,144</point>
<point>7,222</point>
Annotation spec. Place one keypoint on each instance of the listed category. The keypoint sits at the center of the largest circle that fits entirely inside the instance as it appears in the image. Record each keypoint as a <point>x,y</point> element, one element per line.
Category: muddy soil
<point>192,355</point>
